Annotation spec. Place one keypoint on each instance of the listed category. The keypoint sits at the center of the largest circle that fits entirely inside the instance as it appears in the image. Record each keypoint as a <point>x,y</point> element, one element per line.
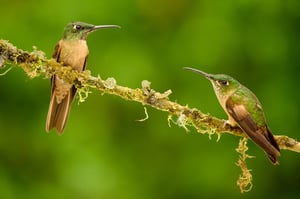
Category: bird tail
<point>275,152</point>
<point>58,113</point>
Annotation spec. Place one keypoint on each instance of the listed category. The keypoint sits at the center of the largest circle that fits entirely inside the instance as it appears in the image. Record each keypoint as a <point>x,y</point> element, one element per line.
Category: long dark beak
<point>104,26</point>
<point>208,76</point>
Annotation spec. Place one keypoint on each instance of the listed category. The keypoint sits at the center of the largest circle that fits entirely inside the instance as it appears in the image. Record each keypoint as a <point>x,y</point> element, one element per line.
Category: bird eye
<point>77,27</point>
<point>223,82</point>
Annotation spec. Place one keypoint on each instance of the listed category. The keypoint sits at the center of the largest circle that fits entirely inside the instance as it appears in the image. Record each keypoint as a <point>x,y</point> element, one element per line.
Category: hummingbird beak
<point>103,26</point>
<point>94,28</point>
<point>208,76</point>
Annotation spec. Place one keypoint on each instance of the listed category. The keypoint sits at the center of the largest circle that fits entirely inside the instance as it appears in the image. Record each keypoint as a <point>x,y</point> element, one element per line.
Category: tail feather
<point>273,156</point>
<point>267,142</point>
<point>58,113</point>
<point>270,145</point>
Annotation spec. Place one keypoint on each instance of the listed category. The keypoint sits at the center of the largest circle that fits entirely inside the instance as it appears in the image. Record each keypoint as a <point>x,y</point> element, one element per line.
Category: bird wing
<point>260,135</point>
<point>84,65</point>
<point>56,56</point>
<point>57,50</point>
<point>57,113</point>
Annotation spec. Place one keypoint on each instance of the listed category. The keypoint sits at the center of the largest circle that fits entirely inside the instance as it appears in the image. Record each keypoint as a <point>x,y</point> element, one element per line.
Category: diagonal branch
<point>36,64</point>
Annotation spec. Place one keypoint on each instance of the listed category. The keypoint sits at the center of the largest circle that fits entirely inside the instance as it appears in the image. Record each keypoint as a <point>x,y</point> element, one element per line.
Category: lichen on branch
<point>36,64</point>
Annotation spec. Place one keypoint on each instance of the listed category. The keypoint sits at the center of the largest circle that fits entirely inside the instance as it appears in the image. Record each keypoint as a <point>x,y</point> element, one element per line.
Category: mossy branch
<point>36,64</point>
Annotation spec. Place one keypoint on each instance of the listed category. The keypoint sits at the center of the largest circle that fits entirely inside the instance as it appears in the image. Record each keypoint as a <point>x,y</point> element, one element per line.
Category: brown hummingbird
<point>243,110</point>
<point>71,50</point>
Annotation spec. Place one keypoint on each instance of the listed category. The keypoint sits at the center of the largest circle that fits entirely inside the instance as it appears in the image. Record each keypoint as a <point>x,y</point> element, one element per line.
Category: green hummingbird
<point>243,110</point>
<point>71,50</point>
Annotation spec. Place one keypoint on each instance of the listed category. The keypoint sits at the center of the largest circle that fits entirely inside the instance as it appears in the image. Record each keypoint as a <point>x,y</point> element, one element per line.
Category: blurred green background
<point>105,152</point>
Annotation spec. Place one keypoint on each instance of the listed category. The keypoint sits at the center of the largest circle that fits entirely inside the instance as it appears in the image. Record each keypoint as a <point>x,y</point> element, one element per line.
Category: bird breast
<point>74,54</point>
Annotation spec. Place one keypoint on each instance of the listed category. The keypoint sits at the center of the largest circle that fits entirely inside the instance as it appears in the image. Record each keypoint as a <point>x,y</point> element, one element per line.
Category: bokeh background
<point>105,152</point>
